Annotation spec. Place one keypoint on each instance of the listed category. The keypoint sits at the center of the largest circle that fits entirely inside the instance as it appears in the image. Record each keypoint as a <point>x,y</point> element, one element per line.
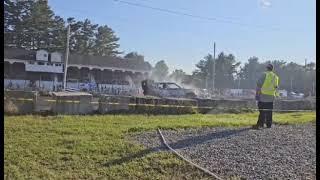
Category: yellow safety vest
<point>270,83</point>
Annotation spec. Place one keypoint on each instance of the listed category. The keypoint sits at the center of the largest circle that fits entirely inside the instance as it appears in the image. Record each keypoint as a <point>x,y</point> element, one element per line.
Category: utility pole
<point>313,88</point>
<point>40,82</point>
<point>305,65</point>
<point>206,82</point>
<point>66,59</point>
<point>213,64</point>
<point>291,84</point>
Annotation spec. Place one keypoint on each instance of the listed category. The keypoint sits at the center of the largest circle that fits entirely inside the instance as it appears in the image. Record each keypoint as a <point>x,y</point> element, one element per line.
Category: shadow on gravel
<point>205,138</point>
<point>178,145</point>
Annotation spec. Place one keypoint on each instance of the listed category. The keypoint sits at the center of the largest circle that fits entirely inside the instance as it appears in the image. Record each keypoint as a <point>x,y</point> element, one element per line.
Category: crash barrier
<point>145,105</point>
<point>113,104</point>
<point>84,103</point>
<point>19,102</point>
<point>223,106</point>
<point>295,105</point>
<point>153,105</point>
<point>72,103</point>
<point>65,103</point>
<point>250,105</point>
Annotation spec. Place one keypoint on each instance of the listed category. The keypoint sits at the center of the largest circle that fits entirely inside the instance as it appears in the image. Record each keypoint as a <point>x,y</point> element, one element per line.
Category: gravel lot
<point>282,152</point>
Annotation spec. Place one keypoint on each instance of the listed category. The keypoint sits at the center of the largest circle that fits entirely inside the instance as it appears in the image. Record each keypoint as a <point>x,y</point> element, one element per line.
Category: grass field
<point>95,147</point>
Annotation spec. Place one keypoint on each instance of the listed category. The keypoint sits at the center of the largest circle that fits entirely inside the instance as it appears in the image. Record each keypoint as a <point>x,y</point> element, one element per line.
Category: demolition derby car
<point>166,89</point>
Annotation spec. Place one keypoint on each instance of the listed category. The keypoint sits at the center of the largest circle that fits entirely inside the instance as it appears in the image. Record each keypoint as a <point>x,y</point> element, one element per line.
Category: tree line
<point>230,74</point>
<point>33,25</point>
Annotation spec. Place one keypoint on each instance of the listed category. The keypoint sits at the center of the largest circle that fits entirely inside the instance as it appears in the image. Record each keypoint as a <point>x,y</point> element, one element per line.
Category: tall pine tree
<point>106,43</point>
<point>16,14</point>
<point>33,25</point>
<point>41,26</point>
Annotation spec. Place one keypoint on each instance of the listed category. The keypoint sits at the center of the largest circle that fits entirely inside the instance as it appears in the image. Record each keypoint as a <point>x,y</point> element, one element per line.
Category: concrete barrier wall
<point>72,103</point>
<point>235,104</point>
<point>218,106</point>
<point>223,106</point>
<point>22,102</point>
<point>44,104</point>
<point>145,105</point>
<point>113,104</point>
<point>295,105</point>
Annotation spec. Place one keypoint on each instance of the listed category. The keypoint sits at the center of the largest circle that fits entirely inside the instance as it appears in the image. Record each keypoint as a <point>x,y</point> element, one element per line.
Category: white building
<point>24,69</point>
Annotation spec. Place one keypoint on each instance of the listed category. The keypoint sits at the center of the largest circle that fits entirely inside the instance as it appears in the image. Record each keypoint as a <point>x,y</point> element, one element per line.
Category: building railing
<point>112,89</point>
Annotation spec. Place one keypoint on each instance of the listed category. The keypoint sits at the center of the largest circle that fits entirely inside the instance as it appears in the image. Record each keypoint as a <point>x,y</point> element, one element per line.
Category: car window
<point>172,86</point>
<point>160,86</point>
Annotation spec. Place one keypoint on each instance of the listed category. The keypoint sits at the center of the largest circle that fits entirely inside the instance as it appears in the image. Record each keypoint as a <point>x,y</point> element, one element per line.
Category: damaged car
<point>166,89</point>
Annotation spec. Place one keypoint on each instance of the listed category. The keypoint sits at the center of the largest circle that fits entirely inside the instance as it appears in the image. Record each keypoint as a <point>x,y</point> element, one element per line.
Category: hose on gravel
<point>187,160</point>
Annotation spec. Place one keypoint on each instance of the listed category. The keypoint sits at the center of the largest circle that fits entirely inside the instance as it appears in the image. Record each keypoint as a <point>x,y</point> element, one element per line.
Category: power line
<point>224,20</point>
<point>35,31</point>
<point>45,47</point>
<point>81,12</point>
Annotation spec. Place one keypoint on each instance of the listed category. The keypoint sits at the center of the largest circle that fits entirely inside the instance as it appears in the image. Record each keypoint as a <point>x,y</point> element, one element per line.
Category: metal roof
<point>15,53</point>
<point>85,60</point>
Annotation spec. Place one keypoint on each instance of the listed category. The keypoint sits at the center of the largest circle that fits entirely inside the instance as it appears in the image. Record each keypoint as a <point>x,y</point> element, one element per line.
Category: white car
<point>296,95</point>
<point>169,89</point>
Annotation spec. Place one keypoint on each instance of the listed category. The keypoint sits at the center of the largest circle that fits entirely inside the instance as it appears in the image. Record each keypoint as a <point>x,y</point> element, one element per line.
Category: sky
<point>267,29</point>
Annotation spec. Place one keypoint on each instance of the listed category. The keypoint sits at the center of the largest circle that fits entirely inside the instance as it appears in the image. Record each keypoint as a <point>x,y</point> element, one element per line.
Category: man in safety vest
<point>265,94</point>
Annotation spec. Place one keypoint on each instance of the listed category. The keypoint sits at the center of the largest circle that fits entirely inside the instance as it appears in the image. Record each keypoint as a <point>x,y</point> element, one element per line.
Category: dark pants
<point>265,116</point>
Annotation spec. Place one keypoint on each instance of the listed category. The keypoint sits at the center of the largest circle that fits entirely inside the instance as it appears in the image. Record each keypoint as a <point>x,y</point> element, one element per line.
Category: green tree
<point>311,82</point>
<point>134,55</point>
<point>160,71</point>
<point>15,25</point>
<point>178,75</point>
<point>58,40</point>
<point>106,43</point>
<point>87,38</point>
<point>10,21</point>
<point>41,26</point>
<point>311,66</point>
<point>225,71</point>
<point>82,36</point>
<point>202,72</point>
<point>32,25</point>
<point>292,76</point>
<point>75,34</point>
<point>250,73</point>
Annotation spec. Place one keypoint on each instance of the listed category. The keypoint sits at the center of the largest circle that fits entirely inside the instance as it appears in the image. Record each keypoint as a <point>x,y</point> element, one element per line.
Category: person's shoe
<point>268,126</point>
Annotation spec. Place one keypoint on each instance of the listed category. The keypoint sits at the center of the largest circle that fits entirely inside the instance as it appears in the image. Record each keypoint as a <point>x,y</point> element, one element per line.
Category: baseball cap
<point>270,66</point>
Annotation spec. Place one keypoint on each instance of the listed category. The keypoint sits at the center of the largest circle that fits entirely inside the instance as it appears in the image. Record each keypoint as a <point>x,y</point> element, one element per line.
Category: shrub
<point>10,107</point>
